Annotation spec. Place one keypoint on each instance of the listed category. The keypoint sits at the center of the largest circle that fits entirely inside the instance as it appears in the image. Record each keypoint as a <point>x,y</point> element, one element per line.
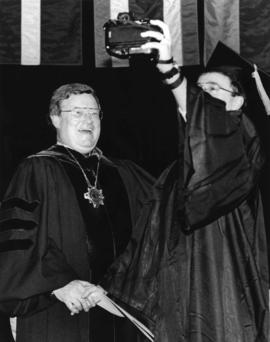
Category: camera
<point>123,36</point>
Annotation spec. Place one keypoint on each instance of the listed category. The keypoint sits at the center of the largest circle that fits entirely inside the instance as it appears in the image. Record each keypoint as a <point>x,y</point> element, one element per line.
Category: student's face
<point>78,125</point>
<point>219,86</point>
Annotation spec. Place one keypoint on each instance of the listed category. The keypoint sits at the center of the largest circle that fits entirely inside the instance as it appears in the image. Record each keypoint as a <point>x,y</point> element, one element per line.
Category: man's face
<point>78,125</point>
<point>219,86</point>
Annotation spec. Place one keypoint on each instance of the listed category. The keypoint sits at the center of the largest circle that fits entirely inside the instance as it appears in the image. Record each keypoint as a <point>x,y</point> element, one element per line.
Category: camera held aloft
<point>123,36</point>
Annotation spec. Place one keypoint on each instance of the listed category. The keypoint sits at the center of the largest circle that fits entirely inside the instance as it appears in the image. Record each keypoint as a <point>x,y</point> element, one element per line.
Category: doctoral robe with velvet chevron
<point>50,235</point>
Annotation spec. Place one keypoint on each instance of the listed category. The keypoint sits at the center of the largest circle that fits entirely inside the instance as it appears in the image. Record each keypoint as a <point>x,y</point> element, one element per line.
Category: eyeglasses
<point>214,86</point>
<point>80,112</point>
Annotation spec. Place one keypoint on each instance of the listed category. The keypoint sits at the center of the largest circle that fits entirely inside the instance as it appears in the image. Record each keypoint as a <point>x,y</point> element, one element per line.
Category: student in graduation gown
<point>200,271</point>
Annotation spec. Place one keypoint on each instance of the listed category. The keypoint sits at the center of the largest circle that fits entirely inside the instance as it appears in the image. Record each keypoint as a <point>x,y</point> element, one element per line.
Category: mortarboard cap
<point>242,70</point>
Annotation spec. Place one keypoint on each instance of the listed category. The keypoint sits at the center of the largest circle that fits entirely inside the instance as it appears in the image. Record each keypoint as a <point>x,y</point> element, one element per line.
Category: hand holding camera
<point>126,35</point>
<point>161,41</point>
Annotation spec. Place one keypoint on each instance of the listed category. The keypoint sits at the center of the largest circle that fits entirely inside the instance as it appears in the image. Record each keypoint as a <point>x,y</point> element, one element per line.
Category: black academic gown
<point>50,235</point>
<point>200,273</point>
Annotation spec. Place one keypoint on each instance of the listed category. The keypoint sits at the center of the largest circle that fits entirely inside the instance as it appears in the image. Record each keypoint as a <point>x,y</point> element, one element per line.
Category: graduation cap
<point>255,84</point>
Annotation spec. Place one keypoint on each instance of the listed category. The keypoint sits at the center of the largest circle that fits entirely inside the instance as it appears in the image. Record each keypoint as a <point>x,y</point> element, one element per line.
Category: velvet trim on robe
<point>41,227</point>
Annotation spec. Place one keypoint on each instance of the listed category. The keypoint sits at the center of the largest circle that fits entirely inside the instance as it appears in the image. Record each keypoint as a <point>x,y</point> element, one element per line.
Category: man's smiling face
<point>78,125</point>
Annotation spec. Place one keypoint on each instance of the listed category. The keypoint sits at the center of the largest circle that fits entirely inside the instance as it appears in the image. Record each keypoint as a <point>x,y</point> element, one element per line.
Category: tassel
<point>263,95</point>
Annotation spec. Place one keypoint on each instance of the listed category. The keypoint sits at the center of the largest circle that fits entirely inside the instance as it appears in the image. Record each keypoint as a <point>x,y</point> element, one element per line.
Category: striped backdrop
<point>180,15</point>
<point>242,25</point>
<point>34,32</point>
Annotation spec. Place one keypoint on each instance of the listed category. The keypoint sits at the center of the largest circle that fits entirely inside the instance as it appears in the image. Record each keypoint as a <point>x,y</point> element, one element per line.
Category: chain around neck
<point>82,170</point>
<point>93,194</point>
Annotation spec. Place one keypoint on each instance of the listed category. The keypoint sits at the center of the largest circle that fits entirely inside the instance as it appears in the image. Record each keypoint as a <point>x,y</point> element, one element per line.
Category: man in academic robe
<point>67,214</point>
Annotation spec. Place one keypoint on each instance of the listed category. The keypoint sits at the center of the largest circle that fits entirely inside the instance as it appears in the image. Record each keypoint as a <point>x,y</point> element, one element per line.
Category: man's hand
<point>164,41</point>
<point>93,294</point>
<point>177,83</point>
<point>72,296</point>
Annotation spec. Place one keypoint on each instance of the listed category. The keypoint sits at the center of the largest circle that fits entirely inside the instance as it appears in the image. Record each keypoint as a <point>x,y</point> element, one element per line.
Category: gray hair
<point>64,92</point>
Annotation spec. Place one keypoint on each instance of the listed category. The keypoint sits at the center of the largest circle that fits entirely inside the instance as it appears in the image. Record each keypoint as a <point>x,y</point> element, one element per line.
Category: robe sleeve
<point>31,264</point>
<point>138,184</point>
<point>222,159</point>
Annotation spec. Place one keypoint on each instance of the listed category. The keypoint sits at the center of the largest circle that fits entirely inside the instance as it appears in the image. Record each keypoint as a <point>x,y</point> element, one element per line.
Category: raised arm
<point>171,72</point>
